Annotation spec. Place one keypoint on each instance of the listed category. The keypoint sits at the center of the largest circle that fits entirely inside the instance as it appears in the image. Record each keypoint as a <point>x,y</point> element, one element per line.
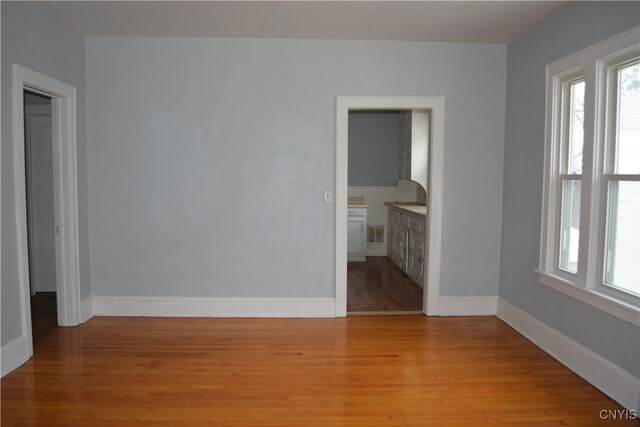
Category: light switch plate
<point>328,196</point>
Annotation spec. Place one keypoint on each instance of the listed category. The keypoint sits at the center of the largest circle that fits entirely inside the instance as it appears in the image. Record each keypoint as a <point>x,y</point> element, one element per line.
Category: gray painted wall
<point>33,39</point>
<point>373,149</point>
<point>575,27</point>
<point>208,158</point>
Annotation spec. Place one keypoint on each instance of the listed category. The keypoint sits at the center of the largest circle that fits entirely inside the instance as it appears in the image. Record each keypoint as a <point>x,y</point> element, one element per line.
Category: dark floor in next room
<point>378,285</point>
<point>44,315</point>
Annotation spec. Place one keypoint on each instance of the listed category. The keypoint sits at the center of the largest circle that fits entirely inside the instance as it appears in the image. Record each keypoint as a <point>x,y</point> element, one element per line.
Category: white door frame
<point>435,105</point>
<point>63,121</point>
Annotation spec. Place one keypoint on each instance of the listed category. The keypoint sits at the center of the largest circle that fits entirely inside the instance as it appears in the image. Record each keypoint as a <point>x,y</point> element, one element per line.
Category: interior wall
<point>374,139</point>
<point>575,27</point>
<point>208,159</point>
<point>33,39</point>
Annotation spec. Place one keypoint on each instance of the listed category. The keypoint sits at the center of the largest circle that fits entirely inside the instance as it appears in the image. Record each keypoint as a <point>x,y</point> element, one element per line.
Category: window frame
<point>563,174</point>
<point>594,65</point>
<point>608,69</point>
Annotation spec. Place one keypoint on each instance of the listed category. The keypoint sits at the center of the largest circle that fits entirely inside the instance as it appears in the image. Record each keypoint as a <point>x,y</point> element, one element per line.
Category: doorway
<point>38,139</point>
<point>55,233</point>
<point>385,252</point>
<point>434,107</point>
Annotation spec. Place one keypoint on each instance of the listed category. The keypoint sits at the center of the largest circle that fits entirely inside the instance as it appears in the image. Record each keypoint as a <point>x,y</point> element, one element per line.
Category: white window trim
<point>592,63</point>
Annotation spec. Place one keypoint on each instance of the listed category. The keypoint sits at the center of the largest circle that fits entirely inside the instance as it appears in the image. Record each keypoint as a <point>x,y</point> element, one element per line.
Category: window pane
<point>570,225</point>
<point>622,262</point>
<point>576,127</point>
<point>628,120</point>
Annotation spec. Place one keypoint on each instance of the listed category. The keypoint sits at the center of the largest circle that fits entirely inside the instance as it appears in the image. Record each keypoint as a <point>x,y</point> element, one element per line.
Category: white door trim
<point>63,120</point>
<point>434,193</point>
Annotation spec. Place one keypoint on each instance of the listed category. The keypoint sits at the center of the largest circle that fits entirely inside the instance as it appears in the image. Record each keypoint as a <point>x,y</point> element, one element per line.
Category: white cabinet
<point>406,243</point>
<point>357,234</point>
<point>413,148</point>
<point>404,149</point>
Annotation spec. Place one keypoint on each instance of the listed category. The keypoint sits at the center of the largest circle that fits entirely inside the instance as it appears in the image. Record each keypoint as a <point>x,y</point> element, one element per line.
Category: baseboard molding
<point>612,380</point>
<point>86,309</point>
<point>14,354</point>
<point>213,307</point>
<point>467,306</point>
<point>376,249</point>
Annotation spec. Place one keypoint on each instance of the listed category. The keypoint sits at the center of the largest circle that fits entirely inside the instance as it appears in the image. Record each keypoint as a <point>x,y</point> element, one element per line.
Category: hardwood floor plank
<point>355,371</point>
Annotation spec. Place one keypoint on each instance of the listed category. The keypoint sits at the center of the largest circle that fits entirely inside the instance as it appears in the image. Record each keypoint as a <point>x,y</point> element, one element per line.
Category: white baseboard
<point>14,354</point>
<point>86,309</point>
<point>612,380</point>
<point>376,249</point>
<point>213,307</point>
<point>467,306</point>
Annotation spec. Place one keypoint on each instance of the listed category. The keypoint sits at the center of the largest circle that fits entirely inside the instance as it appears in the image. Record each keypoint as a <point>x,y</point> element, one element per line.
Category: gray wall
<point>33,39</point>
<point>208,158</point>
<point>374,138</point>
<point>575,27</point>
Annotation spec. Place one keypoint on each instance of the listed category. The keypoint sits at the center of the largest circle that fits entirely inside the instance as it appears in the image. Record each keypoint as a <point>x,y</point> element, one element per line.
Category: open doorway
<point>61,229</point>
<point>386,219</point>
<point>432,155</point>
<point>38,149</point>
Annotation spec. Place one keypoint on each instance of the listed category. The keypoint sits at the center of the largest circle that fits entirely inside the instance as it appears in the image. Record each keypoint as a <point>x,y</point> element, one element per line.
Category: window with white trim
<point>590,243</point>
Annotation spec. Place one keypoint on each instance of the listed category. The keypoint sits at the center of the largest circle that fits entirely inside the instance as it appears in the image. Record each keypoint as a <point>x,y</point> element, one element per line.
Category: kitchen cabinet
<point>413,147</point>
<point>404,149</point>
<point>416,252</point>
<point>406,241</point>
<point>357,233</point>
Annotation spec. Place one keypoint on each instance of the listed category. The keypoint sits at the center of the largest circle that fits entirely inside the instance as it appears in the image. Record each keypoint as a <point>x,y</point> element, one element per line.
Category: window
<point>590,243</point>
<point>572,141</point>
<point>622,250</point>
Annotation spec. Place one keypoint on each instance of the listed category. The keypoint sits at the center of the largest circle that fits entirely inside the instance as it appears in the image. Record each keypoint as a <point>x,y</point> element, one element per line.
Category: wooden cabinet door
<point>391,233</point>
<point>402,246</point>
<point>416,257</point>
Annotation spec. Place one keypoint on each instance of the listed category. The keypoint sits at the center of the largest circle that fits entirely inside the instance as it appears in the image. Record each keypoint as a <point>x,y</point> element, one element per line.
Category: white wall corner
<point>467,306</point>
<point>213,307</point>
<point>609,378</point>
<point>14,354</point>
<point>86,309</point>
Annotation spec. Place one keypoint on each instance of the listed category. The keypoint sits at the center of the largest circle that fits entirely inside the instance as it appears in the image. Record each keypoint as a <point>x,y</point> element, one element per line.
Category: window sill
<point>620,309</point>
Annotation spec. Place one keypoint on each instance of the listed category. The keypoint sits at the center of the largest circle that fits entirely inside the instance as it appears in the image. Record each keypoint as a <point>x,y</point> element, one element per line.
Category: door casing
<point>63,120</point>
<point>434,157</point>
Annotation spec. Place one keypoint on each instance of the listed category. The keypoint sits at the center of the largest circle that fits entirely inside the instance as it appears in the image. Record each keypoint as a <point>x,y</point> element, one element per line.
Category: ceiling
<point>470,21</point>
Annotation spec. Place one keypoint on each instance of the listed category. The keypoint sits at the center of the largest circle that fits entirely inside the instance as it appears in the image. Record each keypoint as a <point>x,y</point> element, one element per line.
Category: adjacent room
<point>386,218</point>
<point>230,213</point>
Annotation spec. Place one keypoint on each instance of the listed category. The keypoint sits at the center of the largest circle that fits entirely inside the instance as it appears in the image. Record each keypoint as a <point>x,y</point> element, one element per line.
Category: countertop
<point>356,202</point>
<point>411,208</point>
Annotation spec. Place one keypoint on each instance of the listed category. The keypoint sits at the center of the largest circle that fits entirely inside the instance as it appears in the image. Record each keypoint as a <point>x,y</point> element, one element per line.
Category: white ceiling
<point>471,21</point>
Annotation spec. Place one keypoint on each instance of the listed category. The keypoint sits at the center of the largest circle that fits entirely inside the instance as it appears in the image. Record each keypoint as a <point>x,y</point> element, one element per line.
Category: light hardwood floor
<point>354,371</point>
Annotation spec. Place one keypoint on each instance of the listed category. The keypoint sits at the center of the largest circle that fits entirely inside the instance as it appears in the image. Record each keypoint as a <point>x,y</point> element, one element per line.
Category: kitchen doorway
<point>434,108</point>
<point>385,272</point>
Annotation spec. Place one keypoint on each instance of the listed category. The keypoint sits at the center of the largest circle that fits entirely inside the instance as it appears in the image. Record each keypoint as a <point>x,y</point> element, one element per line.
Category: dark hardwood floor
<point>44,315</point>
<point>354,371</point>
<point>378,285</point>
